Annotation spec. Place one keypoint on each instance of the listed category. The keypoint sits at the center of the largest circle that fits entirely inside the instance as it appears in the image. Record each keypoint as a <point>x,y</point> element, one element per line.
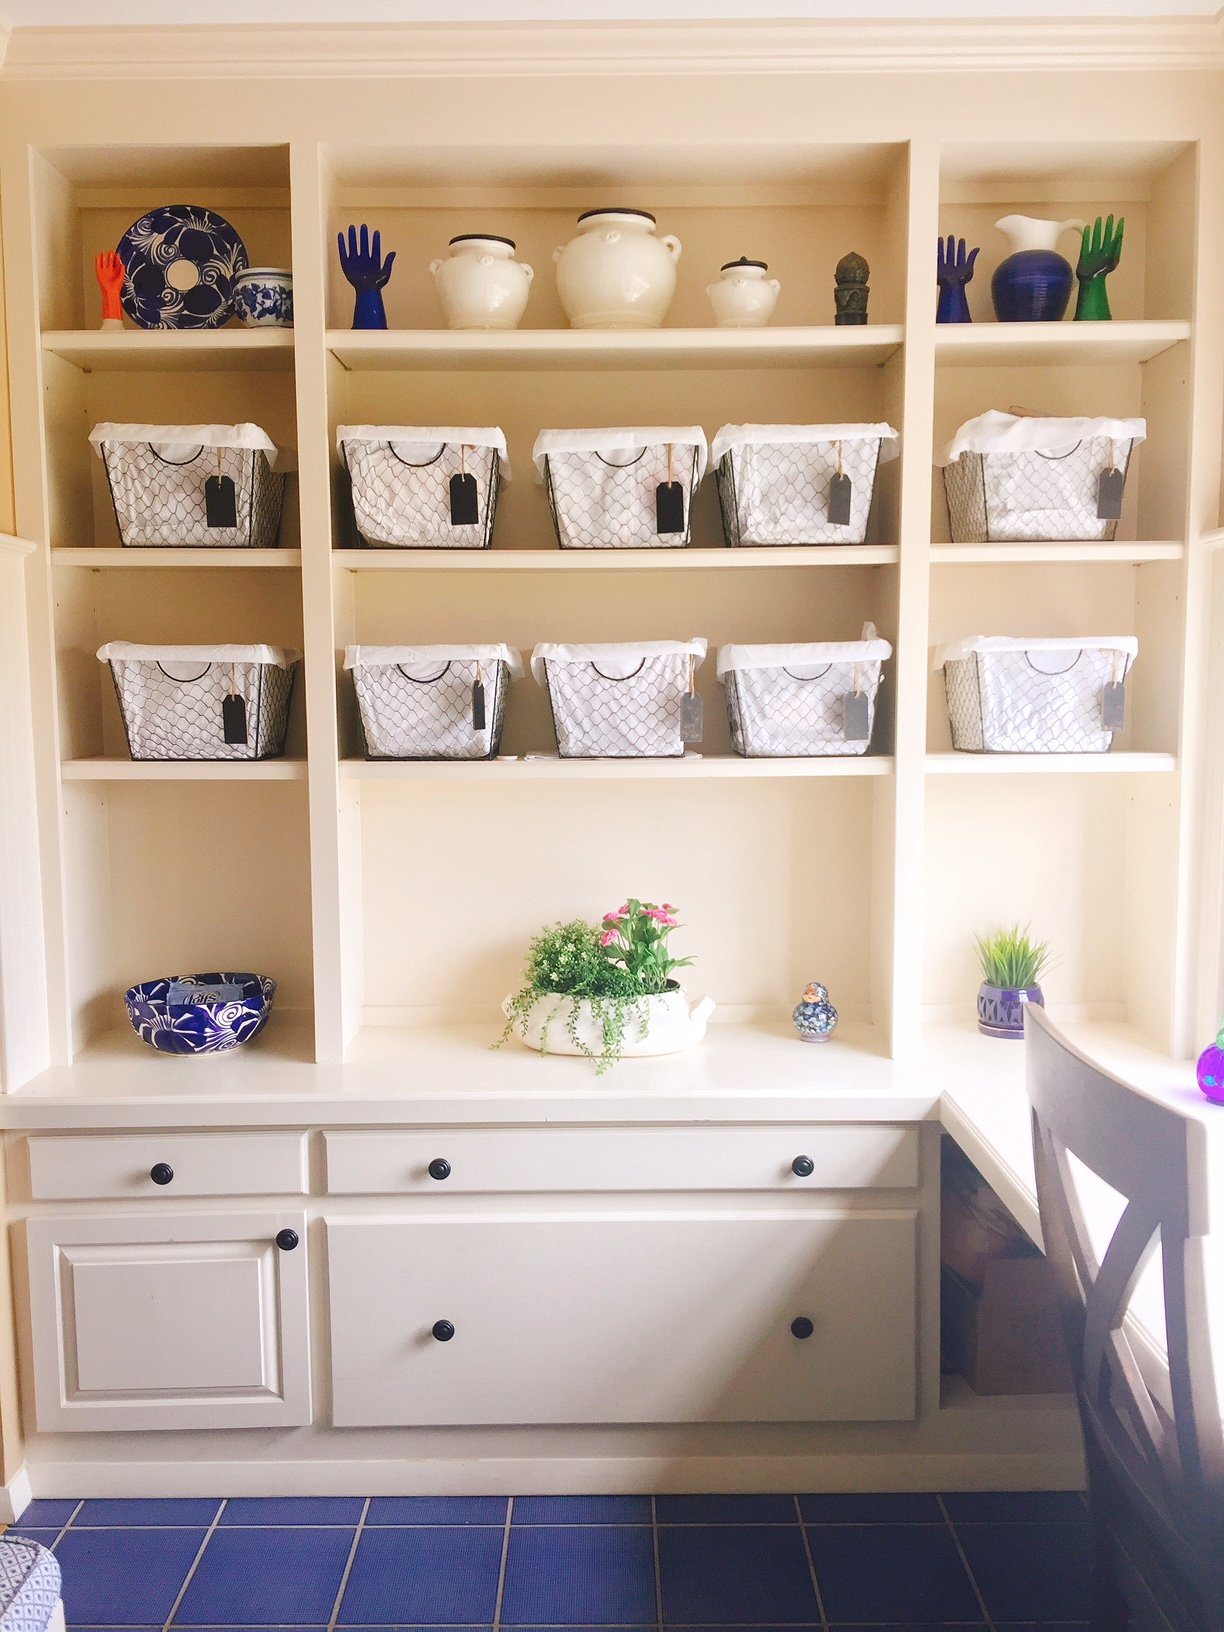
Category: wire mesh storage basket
<point>1058,695</point>
<point>623,700</point>
<point>779,484</point>
<point>420,487</point>
<point>627,488</point>
<point>1009,478</point>
<point>202,702</point>
<point>193,486</point>
<point>432,702</point>
<point>799,701</point>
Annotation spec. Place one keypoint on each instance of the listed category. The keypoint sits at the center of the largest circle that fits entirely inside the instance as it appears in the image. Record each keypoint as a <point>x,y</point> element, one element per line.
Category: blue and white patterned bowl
<point>263,298</point>
<point>200,1014</point>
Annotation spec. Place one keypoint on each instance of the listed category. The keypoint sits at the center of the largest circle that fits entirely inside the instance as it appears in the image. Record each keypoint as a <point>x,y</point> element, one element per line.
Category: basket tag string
<point>669,501</point>
<point>840,493</point>
<point>234,713</point>
<point>478,699</point>
<point>464,501</point>
<point>220,499</point>
<point>1113,697</point>
<point>856,715</point>
<point>692,721</point>
<point>1109,488</point>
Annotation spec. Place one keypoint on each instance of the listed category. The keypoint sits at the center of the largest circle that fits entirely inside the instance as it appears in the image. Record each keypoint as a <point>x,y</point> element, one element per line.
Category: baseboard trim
<point>16,1496</point>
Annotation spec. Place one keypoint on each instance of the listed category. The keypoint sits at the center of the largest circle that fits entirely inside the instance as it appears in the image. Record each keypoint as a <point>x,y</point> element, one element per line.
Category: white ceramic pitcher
<point>1032,232</point>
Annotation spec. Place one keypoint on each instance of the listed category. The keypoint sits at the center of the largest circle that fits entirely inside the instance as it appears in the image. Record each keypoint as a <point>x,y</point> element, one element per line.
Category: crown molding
<point>525,49</point>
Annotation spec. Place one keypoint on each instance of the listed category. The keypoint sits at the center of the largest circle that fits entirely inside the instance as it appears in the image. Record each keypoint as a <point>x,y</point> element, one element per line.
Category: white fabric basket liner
<point>1126,645</point>
<point>419,444</point>
<point>807,655</point>
<point>610,441</point>
<point>616,659</point>
<point>422,662</point>
<point>119,651</point>
<point>740,436</point>
<point>177,442</point>
<point>996,432</point>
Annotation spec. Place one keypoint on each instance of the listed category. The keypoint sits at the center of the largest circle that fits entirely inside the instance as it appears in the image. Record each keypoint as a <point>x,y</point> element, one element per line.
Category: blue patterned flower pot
<point>1032,286</point>
<point>200,1014</point>
<point>1001,1009</point>
<point>263,298</point>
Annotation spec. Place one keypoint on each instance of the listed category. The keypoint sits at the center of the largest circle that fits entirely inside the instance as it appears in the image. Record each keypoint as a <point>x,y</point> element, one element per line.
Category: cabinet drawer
<point>471,1161</point>
<point>120,1166</point>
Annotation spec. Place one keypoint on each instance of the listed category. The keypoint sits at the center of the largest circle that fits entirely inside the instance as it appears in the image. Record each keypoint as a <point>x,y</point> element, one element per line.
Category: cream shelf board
<point>401,349</point>
<point>96,557</point>
<point>168,350</point>
<point>1001,555</point>
<point>1120,764</point>
<point>691,768</point>
<point>1043,345</point>
<point>176,770</point>
<point>495,560</point>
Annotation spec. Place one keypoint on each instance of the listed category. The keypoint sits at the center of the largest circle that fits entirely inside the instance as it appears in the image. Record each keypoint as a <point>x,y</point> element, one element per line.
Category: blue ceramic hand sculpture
<point>364,267</point>
<point>953,270</point>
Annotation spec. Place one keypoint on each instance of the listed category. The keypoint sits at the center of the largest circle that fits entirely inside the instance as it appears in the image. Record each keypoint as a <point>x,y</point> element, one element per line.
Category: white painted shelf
<point>97,557</point>
<point>691,768</point>
<point>168,350</point>
<point>998,555</point>
<point>1042,345</point>
<point>1120,764</point>
<point>826,346</point>
<point>177,770</point>
<point>557,560</point>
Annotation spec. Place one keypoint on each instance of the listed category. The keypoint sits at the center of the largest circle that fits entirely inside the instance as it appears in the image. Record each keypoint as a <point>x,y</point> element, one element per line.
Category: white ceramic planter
<point>743,297</point>
<point>616,274</point>
<point>673,1022</point>
<point>480,284</point>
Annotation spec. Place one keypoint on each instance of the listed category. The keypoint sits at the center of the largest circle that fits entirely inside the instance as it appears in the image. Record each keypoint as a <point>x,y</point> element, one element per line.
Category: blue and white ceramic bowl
<point>263,298</point>
<point>200,1014</point>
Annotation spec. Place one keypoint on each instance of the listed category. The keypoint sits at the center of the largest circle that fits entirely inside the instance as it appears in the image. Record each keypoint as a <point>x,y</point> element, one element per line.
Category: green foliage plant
<point>1011,958</point>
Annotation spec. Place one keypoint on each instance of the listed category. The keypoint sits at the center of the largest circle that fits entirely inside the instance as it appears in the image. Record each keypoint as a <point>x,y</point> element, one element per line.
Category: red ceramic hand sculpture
<point>110,273</point>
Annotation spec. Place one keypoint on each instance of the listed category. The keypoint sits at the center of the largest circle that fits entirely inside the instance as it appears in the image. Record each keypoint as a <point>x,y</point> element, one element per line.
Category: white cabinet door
<point>641,1317</point>
<point>171,1321</point>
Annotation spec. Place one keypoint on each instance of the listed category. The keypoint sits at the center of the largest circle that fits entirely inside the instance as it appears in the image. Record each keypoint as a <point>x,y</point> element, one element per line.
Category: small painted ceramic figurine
<point>851,290</point>
<point>1210,1070</point>
<point>1100,252</point>
<point>362,264</point>
<point>110,273</point>
<point>815,1017</point>
<point>953,270</point>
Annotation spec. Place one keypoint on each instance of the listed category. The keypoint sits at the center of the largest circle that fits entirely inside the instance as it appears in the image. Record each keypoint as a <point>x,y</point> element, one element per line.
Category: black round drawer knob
<point>439,1168</point>
<point>801,1326</point>
<point>443,1330</point>
<point>161,1173</point>
<point>286,1240</point>
<point>803,1167</point>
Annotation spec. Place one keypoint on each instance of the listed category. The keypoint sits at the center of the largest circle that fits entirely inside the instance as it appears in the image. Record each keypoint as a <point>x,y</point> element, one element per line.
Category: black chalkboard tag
<point>478,705</point>
<point>840,489</point>
<point>465,511</point>
<point>234,719</point>
<point>1113,706</point>
<point>1109,495</point>
<point>856,721</point>
<point>691,724</point>
<point>669,508</point>
<point>221,502</point>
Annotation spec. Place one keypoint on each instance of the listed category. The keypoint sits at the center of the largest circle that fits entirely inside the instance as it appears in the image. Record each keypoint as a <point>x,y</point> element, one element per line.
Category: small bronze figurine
<point>850,294</point>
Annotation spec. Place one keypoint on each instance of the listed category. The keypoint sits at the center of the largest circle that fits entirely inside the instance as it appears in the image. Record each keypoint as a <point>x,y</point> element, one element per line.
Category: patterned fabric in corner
<point>29,1585</point>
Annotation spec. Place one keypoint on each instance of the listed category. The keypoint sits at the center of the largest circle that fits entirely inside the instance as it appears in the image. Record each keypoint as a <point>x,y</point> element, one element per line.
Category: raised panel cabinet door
<point>172,1321</point>
<point>598,1318</point>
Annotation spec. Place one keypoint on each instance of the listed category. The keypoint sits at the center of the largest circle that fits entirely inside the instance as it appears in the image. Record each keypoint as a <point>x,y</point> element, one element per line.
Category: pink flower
<point>667,907</point>
<point>624,911</point>
<point>661,916</point>
<point>612,917</point>
<point>607,938</point>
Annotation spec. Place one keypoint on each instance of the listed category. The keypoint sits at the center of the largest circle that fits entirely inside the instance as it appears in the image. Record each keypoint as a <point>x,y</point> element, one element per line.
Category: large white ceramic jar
<point>743,297</point>
<point>616,274</point>
<point>480,284</point>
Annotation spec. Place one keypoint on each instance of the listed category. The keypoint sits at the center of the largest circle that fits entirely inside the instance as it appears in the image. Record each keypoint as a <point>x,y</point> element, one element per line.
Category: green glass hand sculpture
<point>1100,252</point>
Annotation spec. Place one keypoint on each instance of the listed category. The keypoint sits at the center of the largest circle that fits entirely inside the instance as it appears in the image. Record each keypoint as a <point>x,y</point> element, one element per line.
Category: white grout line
<point>182,1592</point>
<point>956,1542</point>
<point>807,1549</point>
<point>348,1566</point>
<point>658,1568</point>
<point>501,1569</point>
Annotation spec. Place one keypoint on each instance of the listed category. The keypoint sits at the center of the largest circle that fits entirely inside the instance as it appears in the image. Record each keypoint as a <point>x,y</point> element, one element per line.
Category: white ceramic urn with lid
<point>616,274</point>
<point>743,297</point>
<point>480,284</point>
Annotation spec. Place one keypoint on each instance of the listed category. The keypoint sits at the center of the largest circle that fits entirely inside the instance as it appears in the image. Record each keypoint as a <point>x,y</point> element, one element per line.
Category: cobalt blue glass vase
<point>1032,286</point>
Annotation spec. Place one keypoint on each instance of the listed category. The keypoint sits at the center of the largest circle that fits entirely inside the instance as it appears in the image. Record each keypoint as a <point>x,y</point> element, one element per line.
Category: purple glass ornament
<point>1210,1070</point>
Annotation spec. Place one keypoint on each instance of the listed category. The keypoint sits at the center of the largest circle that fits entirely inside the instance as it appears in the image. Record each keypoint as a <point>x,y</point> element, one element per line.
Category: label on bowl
<point>185,992</point>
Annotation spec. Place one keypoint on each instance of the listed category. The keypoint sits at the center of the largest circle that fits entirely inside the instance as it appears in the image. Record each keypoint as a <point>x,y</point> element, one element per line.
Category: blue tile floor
<point>992,1562</point>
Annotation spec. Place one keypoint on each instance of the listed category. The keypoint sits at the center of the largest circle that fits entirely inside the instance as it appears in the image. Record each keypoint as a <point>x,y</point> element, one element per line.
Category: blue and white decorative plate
<point>200,1014</point>
<point>181,262</point>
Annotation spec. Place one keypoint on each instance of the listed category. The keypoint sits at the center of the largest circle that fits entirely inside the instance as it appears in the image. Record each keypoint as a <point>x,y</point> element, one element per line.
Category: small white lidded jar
<point>480,284</point>
<point>743,297</point>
